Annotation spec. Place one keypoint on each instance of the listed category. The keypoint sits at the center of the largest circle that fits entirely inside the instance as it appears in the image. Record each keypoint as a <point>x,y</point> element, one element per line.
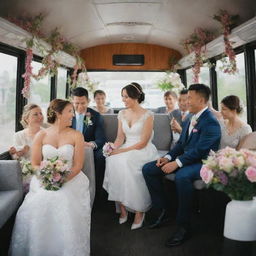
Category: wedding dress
<point>123,179</point>
<point>54,223</point>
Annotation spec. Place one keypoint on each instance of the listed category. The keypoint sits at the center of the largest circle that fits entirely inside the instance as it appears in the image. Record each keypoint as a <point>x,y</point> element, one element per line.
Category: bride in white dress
<point>56,223</point>
<point>123,179</point>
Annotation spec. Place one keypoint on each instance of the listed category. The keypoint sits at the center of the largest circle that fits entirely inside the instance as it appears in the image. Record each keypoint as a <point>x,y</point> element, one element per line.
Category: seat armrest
<point>10,175</point>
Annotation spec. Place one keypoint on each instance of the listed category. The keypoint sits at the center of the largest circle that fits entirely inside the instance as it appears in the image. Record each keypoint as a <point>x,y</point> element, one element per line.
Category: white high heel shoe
<point>123,219</point>
<point>138,225</point>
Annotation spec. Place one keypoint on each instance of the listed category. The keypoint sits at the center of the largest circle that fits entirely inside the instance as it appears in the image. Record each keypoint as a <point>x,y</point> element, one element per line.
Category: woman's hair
<point>99,92</point>
<point>25,114</point>
<point>56,106</point>
<point>173,94</point>
<point>232,102</point>
<point>134,91</point>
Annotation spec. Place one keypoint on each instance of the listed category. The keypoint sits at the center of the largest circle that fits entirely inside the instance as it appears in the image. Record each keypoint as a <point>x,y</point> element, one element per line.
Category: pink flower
<point>56,177</point>
<point>194,130</point>
<point>238,161</point>
<point>206,174</point>
<point>226,164</point>
<point>251,174</point>
<point>251,161</point>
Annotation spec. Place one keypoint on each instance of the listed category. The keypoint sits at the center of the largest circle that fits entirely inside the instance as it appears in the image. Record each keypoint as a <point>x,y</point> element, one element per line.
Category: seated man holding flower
<point>199,135</point>
<point>90,123</point>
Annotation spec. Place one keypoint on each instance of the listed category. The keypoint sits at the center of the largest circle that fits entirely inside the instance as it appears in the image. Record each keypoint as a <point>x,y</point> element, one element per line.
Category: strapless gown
<point>54,223</point>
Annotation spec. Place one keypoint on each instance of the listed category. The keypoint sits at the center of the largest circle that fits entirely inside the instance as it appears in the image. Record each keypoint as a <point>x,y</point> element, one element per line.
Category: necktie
<point>80,123</point>
<point>183,115</point>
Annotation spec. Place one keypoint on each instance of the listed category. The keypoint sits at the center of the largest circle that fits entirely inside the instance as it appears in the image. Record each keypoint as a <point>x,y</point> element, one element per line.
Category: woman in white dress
<point>31,120</point>
<point>123,179</point>
<point>54,223</point>
<point>233,129</point>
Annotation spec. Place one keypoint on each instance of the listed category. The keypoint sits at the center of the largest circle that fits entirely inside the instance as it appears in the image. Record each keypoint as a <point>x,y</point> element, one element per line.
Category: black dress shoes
<point>177,238</point>
<point>162,218</point>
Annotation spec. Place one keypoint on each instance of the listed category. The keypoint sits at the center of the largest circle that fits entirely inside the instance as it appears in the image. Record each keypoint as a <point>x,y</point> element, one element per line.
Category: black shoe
<point>162,218</point>
<point>178,237</point>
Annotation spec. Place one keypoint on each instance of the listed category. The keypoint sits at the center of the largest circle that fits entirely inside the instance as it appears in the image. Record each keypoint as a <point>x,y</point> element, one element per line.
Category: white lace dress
<point>54,223</point>
<point>123,179</point>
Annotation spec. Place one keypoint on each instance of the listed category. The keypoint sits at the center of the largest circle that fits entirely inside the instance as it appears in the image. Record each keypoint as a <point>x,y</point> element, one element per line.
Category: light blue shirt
<point>79,122</point>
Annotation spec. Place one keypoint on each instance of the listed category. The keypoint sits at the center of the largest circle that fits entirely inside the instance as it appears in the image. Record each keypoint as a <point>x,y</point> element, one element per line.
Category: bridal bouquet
<point>53,173</point>
<point>26,168</point>
<point>108,149</point>
<point>231,171</point>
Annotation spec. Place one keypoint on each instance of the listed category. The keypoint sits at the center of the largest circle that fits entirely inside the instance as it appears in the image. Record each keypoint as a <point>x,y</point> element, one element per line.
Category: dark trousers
<point>99,161</point>
<point>184,178</point>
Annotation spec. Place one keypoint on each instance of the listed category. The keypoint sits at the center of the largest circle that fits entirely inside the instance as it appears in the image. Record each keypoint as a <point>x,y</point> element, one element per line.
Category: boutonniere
<point>87,120</point>
<point>194,130</point>
<point>193,121</point>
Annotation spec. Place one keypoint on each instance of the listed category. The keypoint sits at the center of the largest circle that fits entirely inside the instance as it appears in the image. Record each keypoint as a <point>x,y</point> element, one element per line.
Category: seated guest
<point>200,134</point>
<point>177,116</point>
<point>170,100</point>
<point>90,123</point>
<point>233,129</point>
<point>100,98</point>
<point>31,120</point>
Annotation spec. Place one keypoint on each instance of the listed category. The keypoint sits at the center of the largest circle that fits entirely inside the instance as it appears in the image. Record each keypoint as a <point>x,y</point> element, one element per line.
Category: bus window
<point>8,76</point>
<point>61,83</point>
<point>204,76</point>
<point>233,84</point>
<point>40,91</point>
<point>113,82</point>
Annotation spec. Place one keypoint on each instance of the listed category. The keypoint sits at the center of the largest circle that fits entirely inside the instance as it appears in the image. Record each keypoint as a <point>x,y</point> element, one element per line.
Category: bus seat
<point>89,170</point>
<point>11,191</point>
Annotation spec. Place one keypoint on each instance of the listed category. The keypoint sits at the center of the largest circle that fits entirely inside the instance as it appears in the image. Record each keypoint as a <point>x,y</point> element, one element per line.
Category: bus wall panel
<point>155,57</point>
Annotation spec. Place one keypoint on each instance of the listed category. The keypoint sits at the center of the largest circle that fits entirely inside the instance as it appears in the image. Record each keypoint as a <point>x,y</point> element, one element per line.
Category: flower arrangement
<point>53,173</point>
<point>87,120</point>
<point>171,81</point>
<point>108,149</point>
<point>228,66</point>
<point>196,43</point>
<point>231,171</point>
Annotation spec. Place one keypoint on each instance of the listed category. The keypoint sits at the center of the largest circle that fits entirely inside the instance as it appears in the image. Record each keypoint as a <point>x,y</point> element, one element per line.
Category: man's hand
<point>175,126</point>
<point>170,167</point>
<point>161,161</point>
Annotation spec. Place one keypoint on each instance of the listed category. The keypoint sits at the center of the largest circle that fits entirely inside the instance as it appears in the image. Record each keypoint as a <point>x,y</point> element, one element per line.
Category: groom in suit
<point>200,134</point>
<point>90,123</point>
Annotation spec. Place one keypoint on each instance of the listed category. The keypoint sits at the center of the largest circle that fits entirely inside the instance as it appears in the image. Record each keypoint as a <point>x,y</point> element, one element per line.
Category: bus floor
<point>109,238</point>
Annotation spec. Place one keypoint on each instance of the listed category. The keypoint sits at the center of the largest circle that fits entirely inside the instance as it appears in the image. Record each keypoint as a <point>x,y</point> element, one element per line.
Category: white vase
<point>240,220</point>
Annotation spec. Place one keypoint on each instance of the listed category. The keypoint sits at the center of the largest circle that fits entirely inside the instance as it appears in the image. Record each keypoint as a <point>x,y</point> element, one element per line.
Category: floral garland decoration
<point>49,62</point>
<point>197,43</point>
<point>229,66</point>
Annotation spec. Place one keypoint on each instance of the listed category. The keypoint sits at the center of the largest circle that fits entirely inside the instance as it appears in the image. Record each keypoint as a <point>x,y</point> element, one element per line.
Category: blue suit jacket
<point>205,135</point>
<point>94,132</point>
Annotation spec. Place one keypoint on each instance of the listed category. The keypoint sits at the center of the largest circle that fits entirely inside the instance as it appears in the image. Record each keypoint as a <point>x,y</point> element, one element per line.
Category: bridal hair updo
<point>232,102</point>
<point>56,106</point>
<point>134,91</point>
<point>26,112</point>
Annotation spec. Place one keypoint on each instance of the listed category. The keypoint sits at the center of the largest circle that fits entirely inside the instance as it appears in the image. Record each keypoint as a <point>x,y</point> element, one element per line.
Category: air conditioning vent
<point>128,60</point>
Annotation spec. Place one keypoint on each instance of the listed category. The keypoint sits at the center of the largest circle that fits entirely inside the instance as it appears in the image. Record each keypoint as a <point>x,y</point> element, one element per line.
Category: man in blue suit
<point>90,123</point>
<point>200,134</point>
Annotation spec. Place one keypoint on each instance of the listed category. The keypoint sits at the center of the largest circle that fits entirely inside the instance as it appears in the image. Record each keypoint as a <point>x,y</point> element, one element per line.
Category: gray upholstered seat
<point>89,171</point>
<point>11,192</point>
